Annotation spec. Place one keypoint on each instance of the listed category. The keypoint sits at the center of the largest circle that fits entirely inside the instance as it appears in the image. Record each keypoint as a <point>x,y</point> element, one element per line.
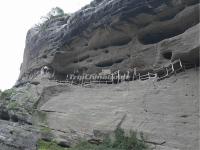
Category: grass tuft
<point>44,145</point>
<point>120,142</point>
<point>5,95</point>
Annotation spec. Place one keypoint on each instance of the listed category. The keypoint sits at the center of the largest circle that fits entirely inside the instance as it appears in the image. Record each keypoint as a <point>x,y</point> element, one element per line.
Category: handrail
<point>116,77</point>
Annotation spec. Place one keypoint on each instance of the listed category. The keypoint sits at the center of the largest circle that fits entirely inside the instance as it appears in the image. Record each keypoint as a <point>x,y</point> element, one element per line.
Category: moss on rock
<point>44,145</point>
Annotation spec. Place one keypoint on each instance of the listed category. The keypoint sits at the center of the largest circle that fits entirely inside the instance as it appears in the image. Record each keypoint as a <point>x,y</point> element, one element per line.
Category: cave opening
<point>107,63</point>
<point>162,30</point>
<point>156,36</point>
<point>167,55</point>
<point>44,56</point>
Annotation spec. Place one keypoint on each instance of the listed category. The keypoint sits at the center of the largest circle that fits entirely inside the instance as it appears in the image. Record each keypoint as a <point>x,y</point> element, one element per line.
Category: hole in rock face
<point>191,57</point>
<point>14,118</point>
<point>109,63</point>
<point>106,51</point>
<point>157,37</point>
<point>60,76</point>
<point>128,55</point>
<point>4,115</point>
<point>44,56</point>
<point>106,63</point>
<point>167,55</point>
<point>119,60</point>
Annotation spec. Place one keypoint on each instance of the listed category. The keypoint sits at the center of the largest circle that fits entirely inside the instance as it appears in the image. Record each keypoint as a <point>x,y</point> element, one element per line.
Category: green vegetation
<point>56,12</point>
<point>5,95</point>
<point>45,130</point>
<point>53,14</point>
<point>44,145</point>
<point>120,142</point>
<point>13,105</point>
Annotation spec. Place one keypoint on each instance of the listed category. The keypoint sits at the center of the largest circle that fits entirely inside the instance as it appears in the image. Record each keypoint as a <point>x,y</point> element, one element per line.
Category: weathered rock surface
<point>18,103</point>
<point>115,34</point>
<point>21,124</point>
<point>14,136</point>
<point>166,111</point>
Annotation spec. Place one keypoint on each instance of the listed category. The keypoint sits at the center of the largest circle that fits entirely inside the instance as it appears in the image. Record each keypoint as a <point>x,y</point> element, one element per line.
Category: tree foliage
<point>55,12</point>
<point>52,14</point>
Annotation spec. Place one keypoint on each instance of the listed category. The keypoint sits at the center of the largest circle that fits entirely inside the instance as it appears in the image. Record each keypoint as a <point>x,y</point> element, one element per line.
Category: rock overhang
<point>121,27</point>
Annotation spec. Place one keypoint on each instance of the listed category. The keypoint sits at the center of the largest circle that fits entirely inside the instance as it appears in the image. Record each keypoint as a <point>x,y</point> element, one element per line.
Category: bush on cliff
<point>120,142</point>
<point>54,13</point>
<point>44,145</point>
<point>5,95</point>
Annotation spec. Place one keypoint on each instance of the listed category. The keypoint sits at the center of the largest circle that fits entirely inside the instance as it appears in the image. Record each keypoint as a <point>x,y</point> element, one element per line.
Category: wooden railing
<point>115,78</point>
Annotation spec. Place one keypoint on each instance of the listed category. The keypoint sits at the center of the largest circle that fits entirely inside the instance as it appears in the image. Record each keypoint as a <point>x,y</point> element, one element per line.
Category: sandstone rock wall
<point>115,34</point>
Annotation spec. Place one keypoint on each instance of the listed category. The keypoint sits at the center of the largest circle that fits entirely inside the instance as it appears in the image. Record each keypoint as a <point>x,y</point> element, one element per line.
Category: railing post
<point>183,66</point>
<point>118,75</point>
<point>139,76</point>
<point>167,71</point>
<point>180,63</point>
<point>99,79</point>
<point>72,81</point>
<point>82,80</point>
<point>90,79</point>
<point>128,76</point>
<point>134,73</point>
<point>172,67</point>
<point>112,78</point>
<point>156,75</point>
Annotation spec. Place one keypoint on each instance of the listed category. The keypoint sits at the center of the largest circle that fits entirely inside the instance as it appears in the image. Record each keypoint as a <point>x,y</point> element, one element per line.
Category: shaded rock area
<point>102,33</point>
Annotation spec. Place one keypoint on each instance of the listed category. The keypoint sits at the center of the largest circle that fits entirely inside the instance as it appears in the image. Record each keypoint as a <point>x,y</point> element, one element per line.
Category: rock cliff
<point>115,34</point>
<point>107,34</point>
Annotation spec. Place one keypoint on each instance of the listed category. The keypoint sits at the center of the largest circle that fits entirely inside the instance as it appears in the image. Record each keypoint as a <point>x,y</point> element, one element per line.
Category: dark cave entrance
<point>167,55</point>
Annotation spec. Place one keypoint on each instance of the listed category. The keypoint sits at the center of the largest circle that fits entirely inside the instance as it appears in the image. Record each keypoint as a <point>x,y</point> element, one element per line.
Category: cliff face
<point>115,34</point>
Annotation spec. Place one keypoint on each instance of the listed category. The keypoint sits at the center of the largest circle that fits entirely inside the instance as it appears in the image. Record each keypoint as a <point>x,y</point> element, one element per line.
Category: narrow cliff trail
<point>166,111</point>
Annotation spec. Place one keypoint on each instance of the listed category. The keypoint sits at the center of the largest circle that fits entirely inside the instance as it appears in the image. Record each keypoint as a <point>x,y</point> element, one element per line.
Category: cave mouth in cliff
<point>44,56</point>
<point>190,58</point>
<point>109,63</point>
<point>162,30</point>
<point>157,36</point>
<point>167,55</point>
<point>4,115</point>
